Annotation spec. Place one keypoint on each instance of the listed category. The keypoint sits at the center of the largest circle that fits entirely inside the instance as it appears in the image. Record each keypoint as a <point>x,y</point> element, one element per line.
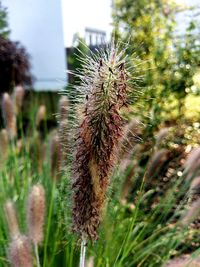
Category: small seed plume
<point>36,213</point>
<point>41,115</point>
<point>19,93</point>
<point>63,108</point>
<point>192,213</point>
<point>9,116</point>
<point>20,253</point>
<point>64,128</point>
<point>56,154</point>
<point>90,262</point>
<point>195,186</point>
<point>11,219</point>
<point>106,83</point>
<point>192,164</point>
<point>184,261</point>
<point>161,135</point>
<point>156,162</point>
<point>130,139</point>
<point>4,146</point>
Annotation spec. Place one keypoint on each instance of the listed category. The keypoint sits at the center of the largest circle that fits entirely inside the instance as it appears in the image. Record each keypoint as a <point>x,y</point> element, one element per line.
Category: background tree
<point>3,21</point>
<point>168,62</point>
<point>14,60</point>
<point>14,65</point>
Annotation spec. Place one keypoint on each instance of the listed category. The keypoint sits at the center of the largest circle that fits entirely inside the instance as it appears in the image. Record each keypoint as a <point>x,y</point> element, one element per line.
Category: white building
<point>37,24</point>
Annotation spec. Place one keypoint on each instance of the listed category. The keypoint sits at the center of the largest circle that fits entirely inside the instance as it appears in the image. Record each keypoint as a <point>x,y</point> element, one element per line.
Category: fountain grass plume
<point>20,252</point>
<point>195,186</point>
<point>191,214</point>
<point>19,93</point>
<point>41,115</point>
<point>11,219</point>
<point>157,161</point>
<point>9,116</point>
<point>192,164</point>
<point>63,108</point>
<point>63,129</point>
<point>184,261</point>
<point>4,146</point>
<point>55,156</point>
<point>36,213</point>
<point>106,84</point>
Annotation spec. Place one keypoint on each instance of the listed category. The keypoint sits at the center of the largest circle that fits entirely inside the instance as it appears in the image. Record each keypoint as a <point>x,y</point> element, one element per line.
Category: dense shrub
<point>14,65</point>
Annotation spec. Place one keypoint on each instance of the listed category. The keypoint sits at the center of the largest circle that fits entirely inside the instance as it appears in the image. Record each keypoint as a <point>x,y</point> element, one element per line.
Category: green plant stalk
<point>48,224</point>
<point>124,244</point>
<point>37,255</point>
<point>83,253</point>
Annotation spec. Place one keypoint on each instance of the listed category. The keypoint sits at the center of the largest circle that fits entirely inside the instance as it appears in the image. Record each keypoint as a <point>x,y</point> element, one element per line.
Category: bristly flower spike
<point>41,115</point>
<point>106,84</point>
<point>36,213</point>
<point>36,217</point>
<point>63,129</point>
<point>9,116</point>
<point>19,93</point>
<point>20,252</point>
<point>12,219</point>
<point>55,156</point>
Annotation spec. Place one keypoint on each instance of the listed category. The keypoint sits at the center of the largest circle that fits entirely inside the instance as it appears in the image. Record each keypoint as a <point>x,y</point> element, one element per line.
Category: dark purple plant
<point>14,65</point>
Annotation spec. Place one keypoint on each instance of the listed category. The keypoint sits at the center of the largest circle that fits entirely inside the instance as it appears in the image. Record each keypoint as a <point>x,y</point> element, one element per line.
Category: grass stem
<point>83,252</point>
<point>37,255</point>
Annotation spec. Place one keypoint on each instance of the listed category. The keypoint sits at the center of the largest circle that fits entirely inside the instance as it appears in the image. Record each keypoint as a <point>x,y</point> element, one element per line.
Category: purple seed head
<point>106,83</point>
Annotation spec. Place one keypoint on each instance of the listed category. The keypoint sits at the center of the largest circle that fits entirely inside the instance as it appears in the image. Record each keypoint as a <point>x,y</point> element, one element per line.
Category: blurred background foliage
<point>170,59</point>
<point>3,21</point>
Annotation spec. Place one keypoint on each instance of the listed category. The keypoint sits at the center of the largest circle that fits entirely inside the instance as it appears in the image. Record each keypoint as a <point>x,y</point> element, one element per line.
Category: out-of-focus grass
<point>137,232</point>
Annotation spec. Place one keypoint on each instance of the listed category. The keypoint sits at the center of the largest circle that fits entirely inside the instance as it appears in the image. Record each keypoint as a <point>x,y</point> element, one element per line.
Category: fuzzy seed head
<point>157,161</point>
<point>195,186</point>
<point>4,137</point>
<point>63,130</point>
<point>36,213</point>
<point>192,164</point>
<point>63,108</point>
<point>41,115</point>
<point>11,219</point>
<point>106,83</point>
<point>129,141</point>
<point>4,146</point>
<point>184,261</point>
<point>19,93</point>
<point>56,156</point>
<point>161,135</point>
<point>192,213</point>
<point>9,115</point>
<point>20,252</point>
<point>90,262</point>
